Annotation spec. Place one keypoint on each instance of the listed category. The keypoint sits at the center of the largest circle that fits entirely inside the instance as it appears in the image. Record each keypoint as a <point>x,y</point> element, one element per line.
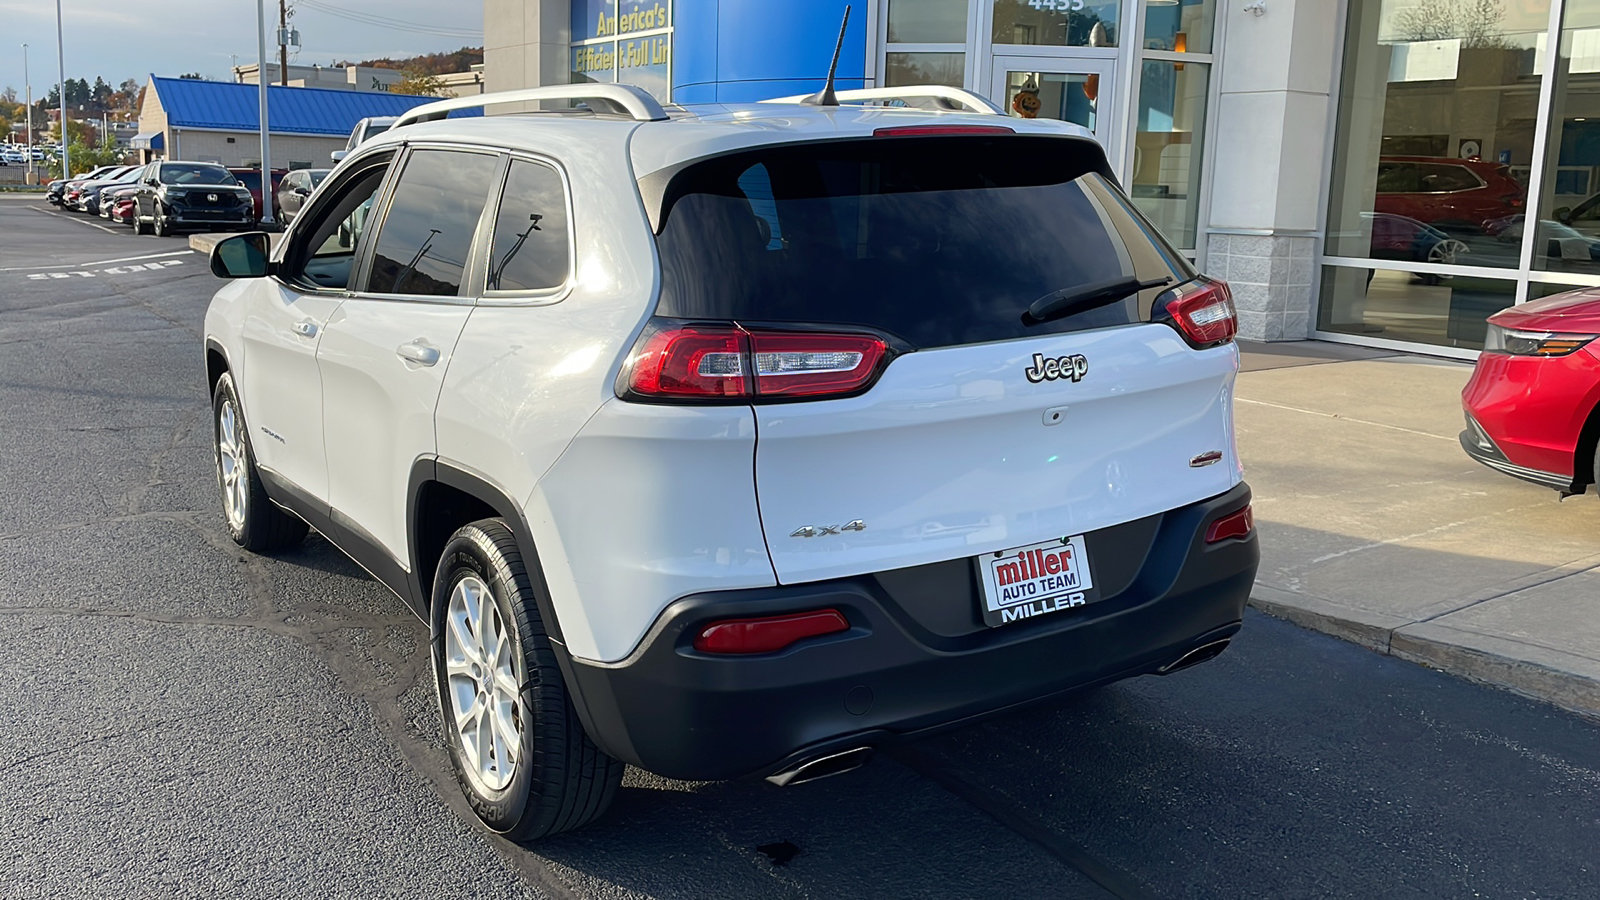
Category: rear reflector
<point>724,361</point>
<point>1233,525</point>
<point>768,634</point>
<point>939,130</point>
<point>1202,311</point>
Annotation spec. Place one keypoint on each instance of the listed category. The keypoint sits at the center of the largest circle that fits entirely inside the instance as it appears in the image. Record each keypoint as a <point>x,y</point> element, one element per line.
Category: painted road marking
<point>99,262</point>
<point>114,270</point>
<point>79,221</point>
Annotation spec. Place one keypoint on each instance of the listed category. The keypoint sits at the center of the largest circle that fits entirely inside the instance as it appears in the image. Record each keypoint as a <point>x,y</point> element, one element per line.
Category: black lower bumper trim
<point>677,712</point>
<point>1494,459</point>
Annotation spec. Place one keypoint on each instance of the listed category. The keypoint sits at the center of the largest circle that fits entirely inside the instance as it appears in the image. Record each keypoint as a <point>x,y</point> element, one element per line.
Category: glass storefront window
<point>901,69</point>
<point>1538,290</point>
<point>1435,134</point>
<point>1063,96</point>
<point>927,21</point>
<point>1068,23</point>
<point>1183,26</point>
<point>1568,235</point>
<point>1446,310</point>
<point>1165,182</point>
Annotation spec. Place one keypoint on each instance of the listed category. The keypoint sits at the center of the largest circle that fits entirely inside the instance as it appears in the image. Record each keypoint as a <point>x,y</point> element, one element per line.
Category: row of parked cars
<point>19,154</point>
<point>169,196</point>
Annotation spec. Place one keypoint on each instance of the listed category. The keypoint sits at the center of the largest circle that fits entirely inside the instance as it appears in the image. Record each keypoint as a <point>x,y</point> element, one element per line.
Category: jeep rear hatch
<point>871,299</point>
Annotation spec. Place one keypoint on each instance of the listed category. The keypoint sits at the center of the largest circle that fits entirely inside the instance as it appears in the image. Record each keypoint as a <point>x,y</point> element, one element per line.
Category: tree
<point>419,84</point>
<point>1476,23</point>
<point>9,95</point>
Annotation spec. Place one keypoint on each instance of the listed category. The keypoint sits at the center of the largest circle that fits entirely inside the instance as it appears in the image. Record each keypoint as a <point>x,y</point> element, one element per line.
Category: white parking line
<point>98,262</point>
<point>72,219</point>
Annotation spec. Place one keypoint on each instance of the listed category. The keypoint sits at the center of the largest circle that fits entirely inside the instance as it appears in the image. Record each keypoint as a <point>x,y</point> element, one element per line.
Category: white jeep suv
<point>740,439</point>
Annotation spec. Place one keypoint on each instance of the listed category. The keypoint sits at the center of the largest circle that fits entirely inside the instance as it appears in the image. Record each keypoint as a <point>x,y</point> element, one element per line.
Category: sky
<point>119,39</point>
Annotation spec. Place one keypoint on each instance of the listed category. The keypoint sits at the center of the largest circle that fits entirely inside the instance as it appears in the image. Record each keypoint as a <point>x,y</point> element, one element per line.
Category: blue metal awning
<point>149,140</point>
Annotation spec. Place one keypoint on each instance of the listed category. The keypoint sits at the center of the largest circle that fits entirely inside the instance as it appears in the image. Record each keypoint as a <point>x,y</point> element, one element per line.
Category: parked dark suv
<point>190,196</point>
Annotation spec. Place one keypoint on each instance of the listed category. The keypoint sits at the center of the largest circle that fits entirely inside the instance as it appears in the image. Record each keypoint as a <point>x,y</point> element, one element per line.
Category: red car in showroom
<point>1532,401</point>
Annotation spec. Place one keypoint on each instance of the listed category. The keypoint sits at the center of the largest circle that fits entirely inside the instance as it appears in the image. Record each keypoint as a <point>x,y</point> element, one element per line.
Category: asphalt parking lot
<point>183,719</point>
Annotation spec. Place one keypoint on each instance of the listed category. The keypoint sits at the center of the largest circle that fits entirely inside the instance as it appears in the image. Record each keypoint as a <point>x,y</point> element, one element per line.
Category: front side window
<point>427,233</point>
<point>325,242</point>
<point>530,234</point>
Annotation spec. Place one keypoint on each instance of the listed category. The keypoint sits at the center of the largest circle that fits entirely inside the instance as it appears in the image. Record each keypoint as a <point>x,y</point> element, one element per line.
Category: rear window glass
<point>938,241</point>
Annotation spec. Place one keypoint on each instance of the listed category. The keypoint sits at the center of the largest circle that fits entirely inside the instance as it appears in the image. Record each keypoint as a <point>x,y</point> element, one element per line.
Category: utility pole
<point>261,88</point>
<point>61,87</point>
<point>283,44</point>
<point>27,84</point>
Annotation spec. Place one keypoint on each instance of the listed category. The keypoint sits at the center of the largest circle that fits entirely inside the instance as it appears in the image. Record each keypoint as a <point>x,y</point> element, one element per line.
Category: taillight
<point>768,634</point>
<point>704,361</point>
<point>1202,311</point>
<point>707,362</point>
<point>1233,525</point>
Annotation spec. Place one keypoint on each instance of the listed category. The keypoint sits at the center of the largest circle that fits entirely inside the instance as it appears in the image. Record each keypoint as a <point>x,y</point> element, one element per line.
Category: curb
<point>1482,659</point>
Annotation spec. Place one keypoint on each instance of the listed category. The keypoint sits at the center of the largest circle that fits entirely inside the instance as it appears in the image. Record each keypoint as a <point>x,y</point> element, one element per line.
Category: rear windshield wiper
<point>1084,297</point>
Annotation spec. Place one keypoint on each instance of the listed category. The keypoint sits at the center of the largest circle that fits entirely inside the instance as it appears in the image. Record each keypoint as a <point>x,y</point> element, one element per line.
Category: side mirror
<point>1563,214</point>
<point>242,256</point>
<point>339,154</point>
<point>304,192</point>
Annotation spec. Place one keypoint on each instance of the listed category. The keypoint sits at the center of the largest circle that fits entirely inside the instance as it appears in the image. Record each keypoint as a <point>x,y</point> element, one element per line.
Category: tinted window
<point>317,175</point>
<point>326,241</point>
<point>427,232</point>
<point>1397,178</point>
<point>530,235</point>
<point>939,241</point>
<point>195,173</point>
<point>1446,179</point>
<point>251,180</point>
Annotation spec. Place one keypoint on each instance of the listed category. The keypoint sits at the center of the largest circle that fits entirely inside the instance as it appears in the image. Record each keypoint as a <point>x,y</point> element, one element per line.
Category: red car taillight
<point>1202,311</point>
<point>675,361</point>
<point>1233,525</point>
<point>768,634</point>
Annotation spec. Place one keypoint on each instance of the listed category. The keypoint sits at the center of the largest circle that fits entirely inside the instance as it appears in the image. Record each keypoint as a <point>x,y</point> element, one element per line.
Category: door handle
<point>419,352</point>
<point>305,328</point>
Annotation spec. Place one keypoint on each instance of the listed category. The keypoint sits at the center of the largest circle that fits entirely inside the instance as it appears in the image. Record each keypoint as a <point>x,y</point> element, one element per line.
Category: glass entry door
<point>1068,89</point>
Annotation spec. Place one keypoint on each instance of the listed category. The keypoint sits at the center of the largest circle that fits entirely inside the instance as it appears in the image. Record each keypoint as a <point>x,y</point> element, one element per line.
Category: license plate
<point>1035,580</point>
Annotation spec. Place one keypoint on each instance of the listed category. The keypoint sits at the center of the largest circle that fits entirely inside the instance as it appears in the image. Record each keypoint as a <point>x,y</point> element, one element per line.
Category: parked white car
<point>369,127</point>
<point>740,440</point>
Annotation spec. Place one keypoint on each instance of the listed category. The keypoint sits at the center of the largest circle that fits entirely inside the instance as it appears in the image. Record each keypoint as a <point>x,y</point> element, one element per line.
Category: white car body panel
<point>950,454</point>
<point>279,383</point>
<point>530,370</point>
<point>649,504</point>
<point>378,408</point>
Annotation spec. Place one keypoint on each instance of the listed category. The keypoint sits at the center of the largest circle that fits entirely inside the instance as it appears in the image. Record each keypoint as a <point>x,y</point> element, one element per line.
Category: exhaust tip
<point>823,766</point>
<point>1200,654</point>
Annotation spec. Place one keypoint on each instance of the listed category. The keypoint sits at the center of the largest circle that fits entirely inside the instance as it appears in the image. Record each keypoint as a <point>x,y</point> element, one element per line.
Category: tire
<point>558,780</point>
<point>254,522</point>
<point>161,228</point>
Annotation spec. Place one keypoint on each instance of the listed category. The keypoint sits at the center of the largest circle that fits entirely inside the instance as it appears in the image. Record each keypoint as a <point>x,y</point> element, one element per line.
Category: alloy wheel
<point>231,459</point>
<point>485,701</point>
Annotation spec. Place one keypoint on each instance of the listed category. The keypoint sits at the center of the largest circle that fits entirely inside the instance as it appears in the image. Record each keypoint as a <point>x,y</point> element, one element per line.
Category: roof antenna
<point>826,97</point>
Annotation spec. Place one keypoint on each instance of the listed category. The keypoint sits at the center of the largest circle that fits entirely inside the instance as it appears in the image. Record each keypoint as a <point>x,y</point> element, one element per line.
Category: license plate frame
<point>1034,580</point>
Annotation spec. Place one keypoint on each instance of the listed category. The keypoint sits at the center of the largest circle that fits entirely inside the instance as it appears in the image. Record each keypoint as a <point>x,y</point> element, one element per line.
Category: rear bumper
<point>674,711</point>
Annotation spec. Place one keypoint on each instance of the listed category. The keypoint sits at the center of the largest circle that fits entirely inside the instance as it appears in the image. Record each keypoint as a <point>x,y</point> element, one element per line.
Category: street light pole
<point>61,88</point>
<point>261,88</point>
<point>27,83</point>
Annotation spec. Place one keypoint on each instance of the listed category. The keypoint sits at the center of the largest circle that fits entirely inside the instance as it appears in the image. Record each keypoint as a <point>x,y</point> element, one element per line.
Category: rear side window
<point>427,233</point>
<point>938,241</point>
<point>530,233</point>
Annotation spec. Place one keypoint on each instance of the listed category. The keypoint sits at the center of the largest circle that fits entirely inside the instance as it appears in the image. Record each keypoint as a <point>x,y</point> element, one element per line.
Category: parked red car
<point>1454,194</point>
<point>251,178</point>
<point>1533,403</point>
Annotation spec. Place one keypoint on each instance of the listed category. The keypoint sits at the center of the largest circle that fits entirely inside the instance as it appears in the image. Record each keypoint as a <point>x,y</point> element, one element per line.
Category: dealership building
<point>1359,170</point>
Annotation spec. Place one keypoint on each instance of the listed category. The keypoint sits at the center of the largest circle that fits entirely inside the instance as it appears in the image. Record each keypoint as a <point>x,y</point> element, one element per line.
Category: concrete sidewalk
<point>1377,528</point>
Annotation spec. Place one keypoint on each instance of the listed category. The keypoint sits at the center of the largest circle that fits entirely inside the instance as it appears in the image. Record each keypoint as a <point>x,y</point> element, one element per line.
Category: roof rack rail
<point>610,99</point>
<point>948,97</point>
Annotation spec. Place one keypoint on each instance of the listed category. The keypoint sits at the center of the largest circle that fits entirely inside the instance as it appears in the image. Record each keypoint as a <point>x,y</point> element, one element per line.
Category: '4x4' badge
<point>1073,367</point>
